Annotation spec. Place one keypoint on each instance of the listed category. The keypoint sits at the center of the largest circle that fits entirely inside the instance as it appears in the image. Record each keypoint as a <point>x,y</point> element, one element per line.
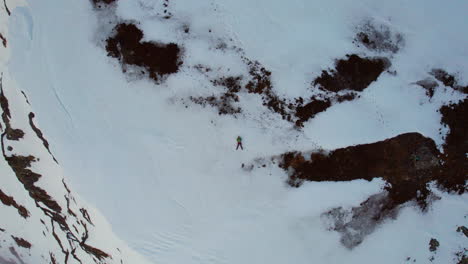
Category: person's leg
<point>241,146</point>
<point>237,146</point>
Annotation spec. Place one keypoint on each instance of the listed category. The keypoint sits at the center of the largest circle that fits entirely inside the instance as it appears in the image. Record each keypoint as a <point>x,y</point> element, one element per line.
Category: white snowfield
<point>167,179</point>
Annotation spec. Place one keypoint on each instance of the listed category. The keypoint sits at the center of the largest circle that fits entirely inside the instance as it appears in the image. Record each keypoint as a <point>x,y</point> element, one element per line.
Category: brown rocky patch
<point>10,201</point>
<point>21,242</point>
<point>14,134</point>
<point>407,162</point>
<point>304,113</point>
<point>454,174</point>
<point>156,58</point>
<point>353,73</point>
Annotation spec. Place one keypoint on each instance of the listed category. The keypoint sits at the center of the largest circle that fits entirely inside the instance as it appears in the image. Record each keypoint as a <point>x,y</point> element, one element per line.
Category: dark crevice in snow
<point>40,135</point>
<point>10,201</point>
<point>25,97</point>
<point>6,8</point>
<point>157,59</point>
<point>85,215</point>
<point>4,41</point>
<point>52,258</point>
<point>89,249</point>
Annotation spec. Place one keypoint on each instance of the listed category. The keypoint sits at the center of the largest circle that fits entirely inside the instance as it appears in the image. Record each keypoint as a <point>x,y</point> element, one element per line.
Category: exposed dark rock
<point>463,230</point>
<point>429,85</point>
<point>454,175</point>
<point>433,244</point>
<point>444,77</point>
<point>346,97</point>
<point>157,58</point>
<point>406,162</point>
<point>14,134</point>
<point>353,73</point>
<point>21,165</point>
<point>21,242</point>
<point>304,113</point>
<point>10,201</point>
<point>448,80</point>
<point>462,256</point>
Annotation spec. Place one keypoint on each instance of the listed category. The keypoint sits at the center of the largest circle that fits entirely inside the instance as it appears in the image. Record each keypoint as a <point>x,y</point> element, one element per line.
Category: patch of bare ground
<point>10,201</point>
<point>353,73</point>
<point>448,80</point>
<point>157,59</point>
<point>21,242</point>
<point>463,229</point>
<point>454,173</point>
<point>407,162</point>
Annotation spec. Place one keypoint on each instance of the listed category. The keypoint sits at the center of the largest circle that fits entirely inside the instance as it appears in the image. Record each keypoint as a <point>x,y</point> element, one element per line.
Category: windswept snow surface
<point>168,178</point>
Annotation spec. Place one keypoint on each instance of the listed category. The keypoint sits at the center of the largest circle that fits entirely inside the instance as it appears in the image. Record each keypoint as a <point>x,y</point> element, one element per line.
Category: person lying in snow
<point>239,143</point>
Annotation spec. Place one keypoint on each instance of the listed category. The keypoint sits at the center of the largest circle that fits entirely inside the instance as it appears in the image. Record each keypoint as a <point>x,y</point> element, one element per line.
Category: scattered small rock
<point>433,245</point>
<point>379,38</point>
<point>463,230</point>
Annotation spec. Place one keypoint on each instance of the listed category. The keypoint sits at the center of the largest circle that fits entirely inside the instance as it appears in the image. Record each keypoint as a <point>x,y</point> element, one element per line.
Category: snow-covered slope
<point>155,154</point>
<point>42,219</point>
